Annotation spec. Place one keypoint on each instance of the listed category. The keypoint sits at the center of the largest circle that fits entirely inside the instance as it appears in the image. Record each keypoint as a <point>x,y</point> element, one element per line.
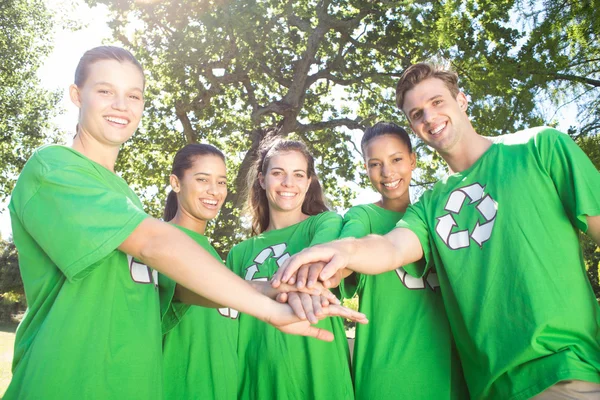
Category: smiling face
<point>110,101</point>
<point>286,181</point>
<point>202,189</point>
<point>389,164</point>
<point>435,116</point>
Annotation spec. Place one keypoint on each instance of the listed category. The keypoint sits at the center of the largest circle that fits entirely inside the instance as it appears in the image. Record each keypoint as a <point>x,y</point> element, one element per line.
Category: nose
<point>385,170</point>
<point>212,188</point>
<point>428,114</point>
<point>120,103</point>
<point>287,180</point>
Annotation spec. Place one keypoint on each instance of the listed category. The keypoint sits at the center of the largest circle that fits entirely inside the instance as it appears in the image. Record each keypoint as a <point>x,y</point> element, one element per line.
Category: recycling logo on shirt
<point>276,251</point>
<point>480,233</point>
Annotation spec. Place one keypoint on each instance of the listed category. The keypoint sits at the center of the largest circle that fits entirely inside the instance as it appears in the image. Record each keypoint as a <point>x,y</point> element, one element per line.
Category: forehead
<point>123,74</point>
<point>424,91</point>
<point>384,145</point>
<point>208,163</point>
<point>288,160</point>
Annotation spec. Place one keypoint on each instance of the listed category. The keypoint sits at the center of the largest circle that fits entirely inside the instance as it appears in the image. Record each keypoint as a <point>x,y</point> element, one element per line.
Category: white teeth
<point>211,202</point>
<point>116,120</point>
<point>392,184</point>
<point>287,194</point>
<point>437,130</point>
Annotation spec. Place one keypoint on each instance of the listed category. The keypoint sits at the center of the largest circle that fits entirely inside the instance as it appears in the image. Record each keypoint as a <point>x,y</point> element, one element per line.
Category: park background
<point>232,73</point>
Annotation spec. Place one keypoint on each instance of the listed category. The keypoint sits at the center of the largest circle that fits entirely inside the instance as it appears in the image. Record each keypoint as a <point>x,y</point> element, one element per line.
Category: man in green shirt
<point>501,230</point>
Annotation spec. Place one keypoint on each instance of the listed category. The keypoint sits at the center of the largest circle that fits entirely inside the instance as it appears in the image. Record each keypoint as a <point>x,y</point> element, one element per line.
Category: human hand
<point>322,261</point>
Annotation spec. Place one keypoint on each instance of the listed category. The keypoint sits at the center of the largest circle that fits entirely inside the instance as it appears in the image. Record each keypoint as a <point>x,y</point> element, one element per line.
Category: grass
<point>7,342</point>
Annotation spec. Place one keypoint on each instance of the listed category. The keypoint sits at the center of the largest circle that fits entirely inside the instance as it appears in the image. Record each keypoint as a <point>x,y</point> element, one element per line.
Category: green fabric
<point>91,331</point>
<point>199,349</point>
<point>274,365</point>
<point>521,308</point>
<point>406,350</point>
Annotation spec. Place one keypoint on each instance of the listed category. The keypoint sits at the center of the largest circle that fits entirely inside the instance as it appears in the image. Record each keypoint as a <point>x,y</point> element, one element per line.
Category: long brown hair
<point>257,204</point>
<point>184,160</point>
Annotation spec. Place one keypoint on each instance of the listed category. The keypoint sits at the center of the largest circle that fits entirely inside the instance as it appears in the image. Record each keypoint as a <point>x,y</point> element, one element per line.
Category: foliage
<point>233,73</point>
<point>12,295</point>
<point>25,107</point>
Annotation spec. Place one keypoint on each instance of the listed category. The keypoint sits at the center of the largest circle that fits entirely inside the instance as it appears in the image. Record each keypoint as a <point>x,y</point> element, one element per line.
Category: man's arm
<point>399,247</point>
<point>593,230</point>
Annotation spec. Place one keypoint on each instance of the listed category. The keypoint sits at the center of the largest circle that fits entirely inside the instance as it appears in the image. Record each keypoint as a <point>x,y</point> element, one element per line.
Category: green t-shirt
<point>92,329</point>
<point>406,350</point>
<point>502,235</point>
<point>274,365</point>
<point>199,344</point>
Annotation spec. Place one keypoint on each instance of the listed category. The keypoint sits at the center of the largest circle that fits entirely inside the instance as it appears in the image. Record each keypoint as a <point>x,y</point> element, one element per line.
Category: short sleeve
<point>356,225</point>
<point>78,218</point>
<point>327,227</point>
<point>576,179</point>
<point>414,220</point>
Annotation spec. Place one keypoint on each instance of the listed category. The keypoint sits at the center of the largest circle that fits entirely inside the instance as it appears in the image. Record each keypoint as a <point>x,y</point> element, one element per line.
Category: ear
<point>75,95</point>
<point>308,186</point>
<point>174,181</point>
<point>261,180</point>
<point>413,161</point>
<point>462,101</point>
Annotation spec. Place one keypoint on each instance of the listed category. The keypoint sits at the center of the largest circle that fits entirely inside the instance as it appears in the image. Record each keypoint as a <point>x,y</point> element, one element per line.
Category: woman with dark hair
<point>89,256</point>
<point>288,212</point>
<point>199,344</point>
<point>407,351</point>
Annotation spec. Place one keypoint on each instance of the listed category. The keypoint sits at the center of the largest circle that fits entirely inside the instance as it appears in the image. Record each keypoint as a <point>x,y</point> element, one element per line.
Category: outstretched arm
<point>372,255</point>
<point>171,252</point>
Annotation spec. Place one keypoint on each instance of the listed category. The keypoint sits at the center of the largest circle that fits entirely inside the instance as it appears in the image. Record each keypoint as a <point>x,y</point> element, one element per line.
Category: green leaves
<point>25,107</point>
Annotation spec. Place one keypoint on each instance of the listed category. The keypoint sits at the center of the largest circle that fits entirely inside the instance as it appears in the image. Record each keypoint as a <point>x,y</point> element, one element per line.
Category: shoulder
<point>531,136</point>
<point>358,212</point>
<point>324,217</point>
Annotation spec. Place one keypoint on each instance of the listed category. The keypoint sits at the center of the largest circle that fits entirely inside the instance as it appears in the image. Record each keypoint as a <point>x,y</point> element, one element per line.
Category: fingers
<point>295,302</point>
<point>282,298</point>
<point>301,276</point>
<point>293,264</point>
<point>336,263</point>
<point>341,311</point>
<point>313,273</point>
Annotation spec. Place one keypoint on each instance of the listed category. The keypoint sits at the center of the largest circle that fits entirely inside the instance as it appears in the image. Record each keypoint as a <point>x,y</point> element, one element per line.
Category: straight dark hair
<point>385,128</point>
<point>184,159</point>
<point>257,205</point>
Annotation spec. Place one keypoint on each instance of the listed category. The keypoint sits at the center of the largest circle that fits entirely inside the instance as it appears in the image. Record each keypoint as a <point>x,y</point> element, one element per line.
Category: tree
<point>235,73</point>
<point>12,294</point>
<point>25,107</point>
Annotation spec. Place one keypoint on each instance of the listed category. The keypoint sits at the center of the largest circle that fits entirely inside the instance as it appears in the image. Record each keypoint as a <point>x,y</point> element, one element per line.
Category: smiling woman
<point>289,214</point>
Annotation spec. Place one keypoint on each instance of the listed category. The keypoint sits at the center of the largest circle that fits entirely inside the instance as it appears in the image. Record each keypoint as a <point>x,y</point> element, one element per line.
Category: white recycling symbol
<point>278,252</point>
<point>481,233</point>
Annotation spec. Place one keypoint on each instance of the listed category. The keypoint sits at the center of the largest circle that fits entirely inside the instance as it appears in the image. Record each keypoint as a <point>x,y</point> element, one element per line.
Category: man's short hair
<point>417,73</point>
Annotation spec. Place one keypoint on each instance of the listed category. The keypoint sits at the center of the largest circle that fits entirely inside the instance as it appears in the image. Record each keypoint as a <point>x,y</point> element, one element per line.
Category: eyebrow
<point>428,100</point>
<point>391,155</point>
<point>111,85</point>
<point>281,169</point>
<point>207,174</point>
